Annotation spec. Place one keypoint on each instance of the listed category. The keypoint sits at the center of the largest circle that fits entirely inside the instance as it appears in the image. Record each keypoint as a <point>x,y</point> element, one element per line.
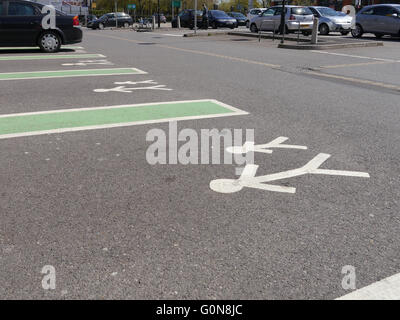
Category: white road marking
<point>248,178</point>
<point>172,35</point>
<point>386,289</point>
<point>129,90</point>
<point>361,81</point>
<point>249,146</point>
<point>353,56</point>
<point>88,62</point>
<point>124,89</point>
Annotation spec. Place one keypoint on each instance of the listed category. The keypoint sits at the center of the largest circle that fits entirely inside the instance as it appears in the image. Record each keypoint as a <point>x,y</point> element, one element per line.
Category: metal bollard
<point>179,21</point>
<point>273,32</point>
<point>298,33</point>
<point>153,22</point>
<point>314,37</point>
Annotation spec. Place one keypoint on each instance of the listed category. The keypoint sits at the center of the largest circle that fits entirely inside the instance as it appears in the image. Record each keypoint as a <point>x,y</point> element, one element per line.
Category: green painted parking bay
<point>50,57</point>
<point>57,121</point>
<point>68,73</point>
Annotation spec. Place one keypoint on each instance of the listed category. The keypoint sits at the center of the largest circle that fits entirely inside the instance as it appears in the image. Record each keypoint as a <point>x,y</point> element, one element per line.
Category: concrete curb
<point>328,46</point>
<point>205,34</point>
<point>266,36</point>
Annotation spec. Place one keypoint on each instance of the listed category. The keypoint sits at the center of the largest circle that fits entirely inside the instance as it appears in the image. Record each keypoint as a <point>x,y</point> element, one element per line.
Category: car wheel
<point>357,32</point>
<point>253,28</point>
<point>126,24</point>
<point>378,35</point>
<point>101,26</point>
<point>345,33</point>
<point>49,42</point>
<point>324,29</point>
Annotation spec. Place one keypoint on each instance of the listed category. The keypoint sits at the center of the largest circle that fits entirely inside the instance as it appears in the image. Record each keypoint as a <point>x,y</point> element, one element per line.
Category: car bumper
<point>341,27</point>
<point>226,24</point>
<point>294,25</point>
<point>73,35</point>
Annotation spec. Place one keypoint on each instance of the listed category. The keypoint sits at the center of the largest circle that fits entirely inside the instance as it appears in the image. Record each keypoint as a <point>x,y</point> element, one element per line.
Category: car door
<point>2,14</point>
<point>386,23</point>
<point>110,20</point>
<point>184,19</point>
<point>368,19</point>
<point>276,20</point>
<point>22,24</point>
<point>265,22</point>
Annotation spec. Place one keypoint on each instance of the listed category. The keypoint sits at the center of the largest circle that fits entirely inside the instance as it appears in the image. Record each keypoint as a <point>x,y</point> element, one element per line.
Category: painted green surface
<point>96,117</point>
<point>37,47</point>
<point>49,57</point>
<point>66,73</point>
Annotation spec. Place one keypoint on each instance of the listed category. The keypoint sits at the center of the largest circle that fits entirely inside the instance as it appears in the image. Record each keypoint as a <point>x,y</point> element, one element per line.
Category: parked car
<point>163,19</point>
<point>83,19</point>
<point>240,18</point>
<point>109,20</point>
<point>378,19</point>
<point>254,13</point>
<point>187,19</point>
<point>295,17</point>
<point>219,19</point>
<point>331,20</point>
<point>21,26</point>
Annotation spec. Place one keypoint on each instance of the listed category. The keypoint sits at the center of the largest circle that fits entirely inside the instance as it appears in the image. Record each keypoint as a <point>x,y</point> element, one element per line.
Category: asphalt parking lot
<point>79,194</point>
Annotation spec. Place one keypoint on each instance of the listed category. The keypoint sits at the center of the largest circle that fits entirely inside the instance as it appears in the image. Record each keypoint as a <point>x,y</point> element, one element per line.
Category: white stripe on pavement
<point>386,289</point>
<point>353,56</point>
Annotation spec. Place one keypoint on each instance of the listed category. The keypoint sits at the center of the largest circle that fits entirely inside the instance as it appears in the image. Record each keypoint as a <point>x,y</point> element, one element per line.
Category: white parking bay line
<point>172,35</point>
<point>51,57</point>
<point>386,289</point>
<point>353,56</point>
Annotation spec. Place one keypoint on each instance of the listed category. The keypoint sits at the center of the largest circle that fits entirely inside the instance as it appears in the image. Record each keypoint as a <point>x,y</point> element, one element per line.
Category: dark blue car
<point>219,19</point>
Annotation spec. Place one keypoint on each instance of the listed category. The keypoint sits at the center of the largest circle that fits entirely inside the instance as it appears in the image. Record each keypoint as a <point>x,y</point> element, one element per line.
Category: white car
<point>255,12</point>
<point>296,18</point>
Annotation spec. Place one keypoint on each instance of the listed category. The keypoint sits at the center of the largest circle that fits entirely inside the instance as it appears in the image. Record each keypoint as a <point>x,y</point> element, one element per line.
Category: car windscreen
<point>219,14</point>
<point>303,11</point>
<point>328,12</point>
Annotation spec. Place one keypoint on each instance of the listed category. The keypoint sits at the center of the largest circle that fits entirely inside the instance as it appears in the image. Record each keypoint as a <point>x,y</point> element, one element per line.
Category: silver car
<point>296,18</point>
<point>378,19</point>
<point>253,13</point>
<point>331,20</point>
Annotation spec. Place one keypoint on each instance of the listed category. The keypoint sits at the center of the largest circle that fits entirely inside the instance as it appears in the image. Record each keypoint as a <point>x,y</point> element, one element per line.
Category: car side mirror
<point>395,15</point>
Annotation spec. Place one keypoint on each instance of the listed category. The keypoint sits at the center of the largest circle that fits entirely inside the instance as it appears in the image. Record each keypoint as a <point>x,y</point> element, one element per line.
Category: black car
<point>109,20</point>
<point>240,18</point>
<point>218,18</point>
<point>187,19</point>
<point>21,25</point>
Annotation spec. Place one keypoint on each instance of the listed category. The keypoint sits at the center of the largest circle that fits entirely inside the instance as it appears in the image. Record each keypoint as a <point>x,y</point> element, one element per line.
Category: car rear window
<point>218,13</point>
<point>20,9</point>
<point>301,11</point>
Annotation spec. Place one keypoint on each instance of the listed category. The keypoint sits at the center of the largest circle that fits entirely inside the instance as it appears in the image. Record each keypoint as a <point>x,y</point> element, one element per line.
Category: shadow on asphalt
<point>32,50</point>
